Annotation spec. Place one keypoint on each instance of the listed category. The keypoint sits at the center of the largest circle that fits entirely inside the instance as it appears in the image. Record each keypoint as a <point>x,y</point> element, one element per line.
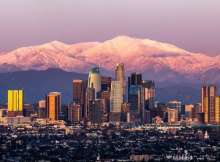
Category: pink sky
<point>190,24</point>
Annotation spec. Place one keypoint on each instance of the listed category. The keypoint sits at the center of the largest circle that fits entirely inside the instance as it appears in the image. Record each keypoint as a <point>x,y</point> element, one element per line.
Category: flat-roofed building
<point>15,103</point>
<point>53,105</point>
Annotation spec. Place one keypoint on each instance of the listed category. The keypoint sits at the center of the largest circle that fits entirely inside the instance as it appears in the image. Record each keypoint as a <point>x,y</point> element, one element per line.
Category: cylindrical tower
<point>94,80</point>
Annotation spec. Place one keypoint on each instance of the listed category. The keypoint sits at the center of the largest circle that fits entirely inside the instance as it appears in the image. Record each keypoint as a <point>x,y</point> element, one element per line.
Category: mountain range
<point>165,63</point>
<point>156,60</point>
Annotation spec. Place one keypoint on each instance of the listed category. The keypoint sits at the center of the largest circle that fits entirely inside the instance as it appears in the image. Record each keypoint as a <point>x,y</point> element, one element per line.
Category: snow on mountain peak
<point>54,45</point>
<point>143,55</point>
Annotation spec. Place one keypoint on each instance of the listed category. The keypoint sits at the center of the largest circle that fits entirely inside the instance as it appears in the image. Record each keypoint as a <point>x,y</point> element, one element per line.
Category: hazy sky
<point>190,24</point>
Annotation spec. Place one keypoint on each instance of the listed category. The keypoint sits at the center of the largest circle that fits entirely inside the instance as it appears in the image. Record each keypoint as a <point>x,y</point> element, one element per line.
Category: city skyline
<point>118,80</point>
<point>191,25</point>
<point>102,99</point>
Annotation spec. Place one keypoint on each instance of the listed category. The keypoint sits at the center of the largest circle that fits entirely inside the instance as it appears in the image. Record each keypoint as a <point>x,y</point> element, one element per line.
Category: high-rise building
<point>217,110</point>
<point>15,103</point>
<point>106,83</point>
<point>90,98</point>
<point>41,109</point>
<point>136,100</point>
<point>53,105</point>
<point>135,92</point>
<point>105,95</point>
<point>135,79</point>
<point>94,81</point>
<point>116,97</point>
<point>74,113</point>
<point>116,101</point>
<point>120,76</point>
<point>79,89</point>
<point>149,94</point>
<point>79,93</point>
<point>141,94</point>
<point>208,103</point>
<point>96,112</point>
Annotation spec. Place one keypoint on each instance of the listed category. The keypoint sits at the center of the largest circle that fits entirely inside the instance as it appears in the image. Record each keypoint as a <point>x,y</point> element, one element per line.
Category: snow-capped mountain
<point>156,60</point>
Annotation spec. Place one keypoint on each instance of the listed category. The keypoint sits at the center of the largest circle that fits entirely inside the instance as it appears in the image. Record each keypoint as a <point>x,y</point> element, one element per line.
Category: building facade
<point>149,94</point>
<point>74,113</point>
<point>53,105</point>
<point>116,96</point>
<point>120,76</point>
<point>208,103</point>
<point>15,103</point>
<point>94,81</point>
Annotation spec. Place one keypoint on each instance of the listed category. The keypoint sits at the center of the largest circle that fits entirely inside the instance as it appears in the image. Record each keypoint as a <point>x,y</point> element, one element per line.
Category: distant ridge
<point>36,84</point>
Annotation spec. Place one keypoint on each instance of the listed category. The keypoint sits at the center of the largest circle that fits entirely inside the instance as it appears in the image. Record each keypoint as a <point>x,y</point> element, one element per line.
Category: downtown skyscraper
<point>94,80</point>
<point>120,76</point>
<point>79,94</point>
<point>15,103</point>
<point>116,97</point>
<point>53,105</point>
<point>210,104</point>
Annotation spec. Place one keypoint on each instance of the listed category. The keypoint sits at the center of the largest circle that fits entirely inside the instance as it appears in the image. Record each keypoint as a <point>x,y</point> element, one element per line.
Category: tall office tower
<point>105,95</point>
<point>106,83</point>
<point>120,76</point>
<point>136,100</point>
<point>74,113</point>
<point>208,103</point>
<point>172,115</point>
<point>217,110</point>
<point>53,105</point>
<point>90,97</point>
<point>149,94</point>
<point>96,112</point>
<point>15,103</point>
<point>94,81</point>
<point>116,96</point>
<point>79,90</point>
<point>116,101</point>
<point>134,85</point>
<point>41,109</point>
<point>135,79</point>
<point>79,93</point>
